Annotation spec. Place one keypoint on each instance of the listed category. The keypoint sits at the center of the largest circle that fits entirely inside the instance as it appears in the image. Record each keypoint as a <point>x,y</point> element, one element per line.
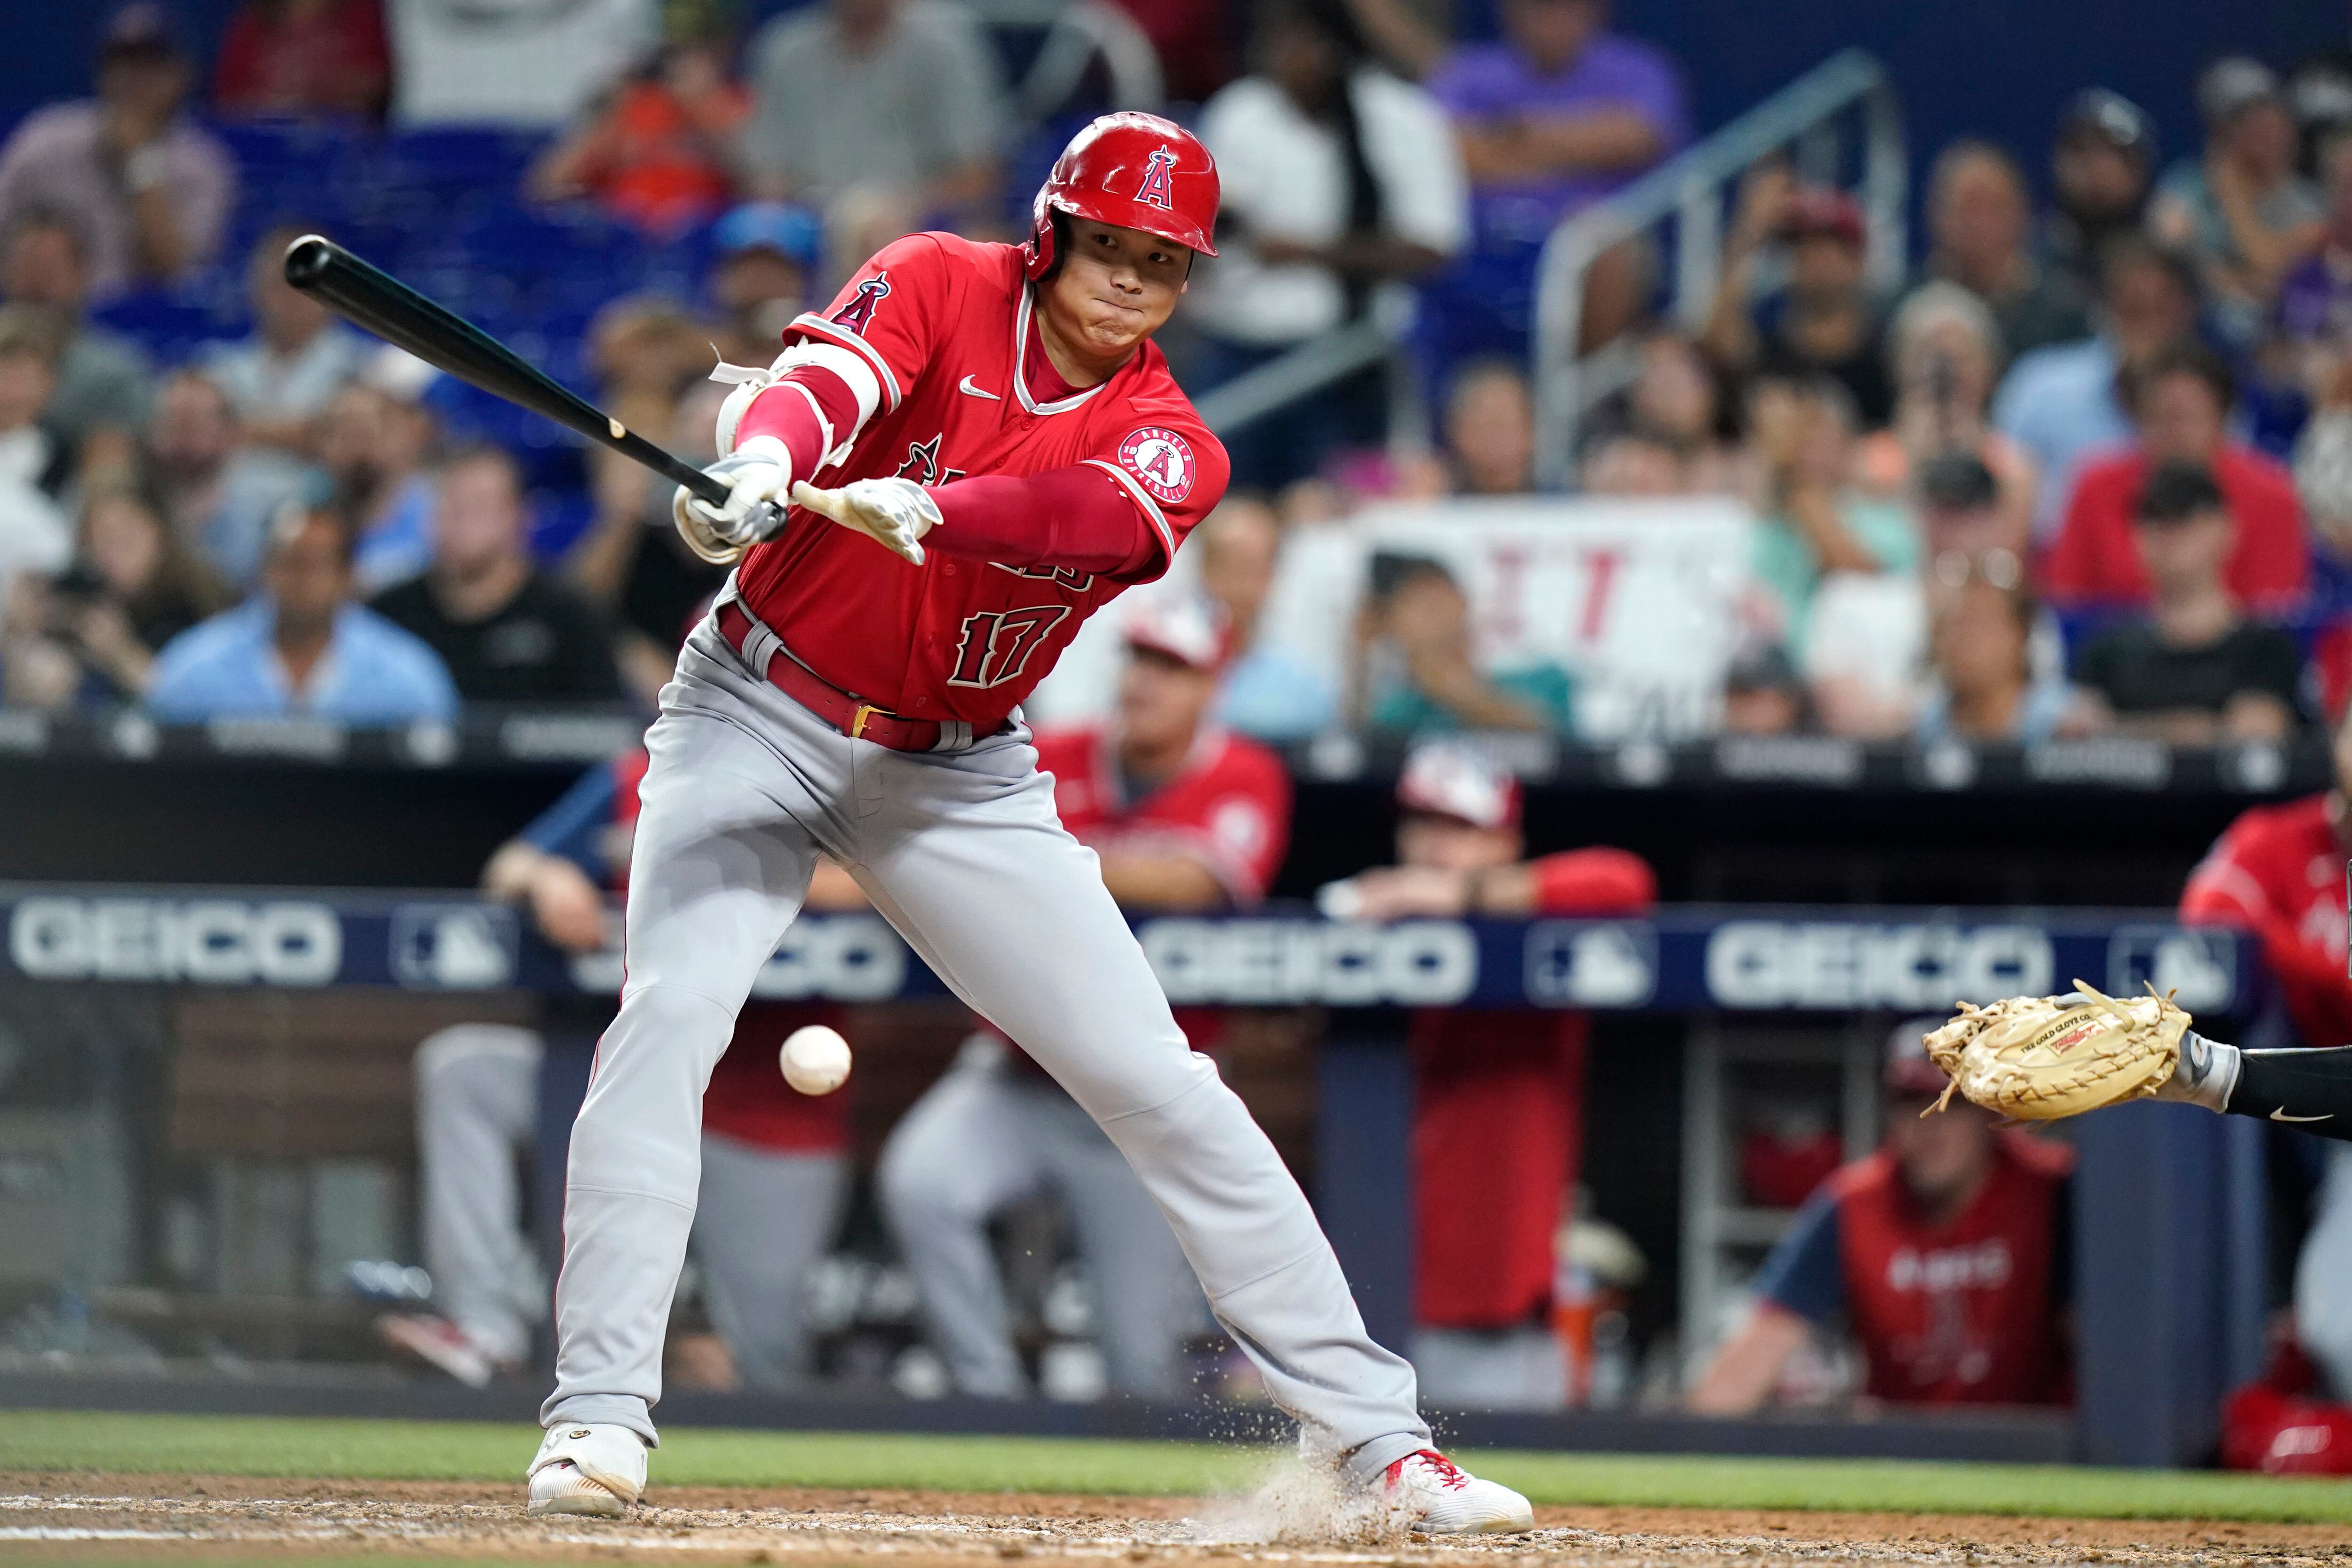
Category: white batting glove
<point>757,476</point>
<point>896,513</point>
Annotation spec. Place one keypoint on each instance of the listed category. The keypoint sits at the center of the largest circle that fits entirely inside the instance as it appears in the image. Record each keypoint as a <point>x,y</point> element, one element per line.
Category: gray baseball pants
<point>989,1134</point>
<point>765,1221</point>
<point>962,851</point>
<point>2323,1275</point>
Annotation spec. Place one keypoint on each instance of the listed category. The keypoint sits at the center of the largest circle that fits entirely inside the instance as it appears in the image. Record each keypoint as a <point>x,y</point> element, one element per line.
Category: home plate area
<point>69,1518</point>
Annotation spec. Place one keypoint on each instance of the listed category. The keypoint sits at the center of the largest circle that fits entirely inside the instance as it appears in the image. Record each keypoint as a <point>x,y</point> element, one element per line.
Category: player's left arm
<point>1802,1283</point>
<point>2310,1091</point>
<point>551,867</point>
<point>1227,859</point>
<point>1168,880</point>
<point>1119,513</point>
<point>1595,881</point>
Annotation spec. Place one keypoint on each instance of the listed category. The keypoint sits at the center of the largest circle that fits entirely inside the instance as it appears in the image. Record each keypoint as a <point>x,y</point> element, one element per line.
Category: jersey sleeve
<point>1595,882</point>
<point>1247,824</point>
<point>1233,820</point>
<point>887,320</point>
<point>2227,888</point>
<point>2223,888</point>
<point>1170,469</point>
<point>1072,518</point>
<point>1803,1274</point>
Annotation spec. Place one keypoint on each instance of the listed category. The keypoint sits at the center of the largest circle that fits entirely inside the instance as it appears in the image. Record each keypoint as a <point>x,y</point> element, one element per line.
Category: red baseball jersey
<point>1962,1312</point>
<point>945,327</point>
<point>1498,1123</point>
<point>2278,871</point>
<point>1229,807</point>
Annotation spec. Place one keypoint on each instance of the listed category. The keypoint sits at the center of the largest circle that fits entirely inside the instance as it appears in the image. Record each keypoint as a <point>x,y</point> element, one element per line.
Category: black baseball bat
<point>445,340</point>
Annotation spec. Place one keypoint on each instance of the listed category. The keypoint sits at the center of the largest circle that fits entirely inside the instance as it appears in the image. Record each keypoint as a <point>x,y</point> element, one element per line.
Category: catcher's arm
<point>1742,1375</point>
<point>2310,1091</point>
<point>2041,1058</point>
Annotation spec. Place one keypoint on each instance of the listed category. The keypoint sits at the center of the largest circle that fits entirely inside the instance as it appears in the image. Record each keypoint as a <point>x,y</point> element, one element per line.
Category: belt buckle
<point>866,710</point>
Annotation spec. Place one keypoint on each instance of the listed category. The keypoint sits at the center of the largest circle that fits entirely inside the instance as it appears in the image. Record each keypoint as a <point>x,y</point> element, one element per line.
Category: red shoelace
<point>1449,1474</point>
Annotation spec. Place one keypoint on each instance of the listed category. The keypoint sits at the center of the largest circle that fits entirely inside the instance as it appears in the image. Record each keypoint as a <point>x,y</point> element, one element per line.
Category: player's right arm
<point>1802,1283</point>
<point>545,867</point>
<point>803,414</point>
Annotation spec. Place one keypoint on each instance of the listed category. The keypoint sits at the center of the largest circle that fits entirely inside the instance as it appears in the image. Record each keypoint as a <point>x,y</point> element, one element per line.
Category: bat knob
<point>306,260</point>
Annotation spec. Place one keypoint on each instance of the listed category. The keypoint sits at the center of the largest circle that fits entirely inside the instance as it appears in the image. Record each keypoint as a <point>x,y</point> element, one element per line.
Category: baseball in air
<point>815,1060</point>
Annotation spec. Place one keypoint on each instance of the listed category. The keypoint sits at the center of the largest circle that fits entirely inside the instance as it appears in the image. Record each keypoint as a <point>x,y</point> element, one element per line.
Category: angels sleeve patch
<point>856,312</point>
<point>1161,460</point>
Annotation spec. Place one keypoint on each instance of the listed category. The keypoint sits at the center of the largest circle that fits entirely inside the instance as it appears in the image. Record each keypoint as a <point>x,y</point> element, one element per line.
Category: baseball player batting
<point>972,450</point>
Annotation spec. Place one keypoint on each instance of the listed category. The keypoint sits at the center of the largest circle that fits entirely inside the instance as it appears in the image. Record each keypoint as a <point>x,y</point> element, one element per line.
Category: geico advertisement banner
<point>211,940</point>
<point>1733,959</point>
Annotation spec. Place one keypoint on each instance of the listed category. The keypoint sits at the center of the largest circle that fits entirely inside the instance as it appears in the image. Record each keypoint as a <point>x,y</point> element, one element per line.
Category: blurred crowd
<point>2089,468</point>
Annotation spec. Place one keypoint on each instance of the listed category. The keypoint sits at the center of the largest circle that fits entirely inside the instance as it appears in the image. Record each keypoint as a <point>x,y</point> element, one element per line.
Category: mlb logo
<point>2199,964</point>
<point>1590,963</point>
<point>441,947</point>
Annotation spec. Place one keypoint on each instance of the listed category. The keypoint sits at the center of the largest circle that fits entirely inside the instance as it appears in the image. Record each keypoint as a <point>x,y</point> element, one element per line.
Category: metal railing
<point>1075,36</point>
<point>1317,362</point>
<point>1690,191</point>
<point>1809,117</point>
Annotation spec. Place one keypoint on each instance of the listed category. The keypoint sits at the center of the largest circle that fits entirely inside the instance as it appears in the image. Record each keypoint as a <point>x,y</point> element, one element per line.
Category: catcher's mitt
<point>2041,1057</point>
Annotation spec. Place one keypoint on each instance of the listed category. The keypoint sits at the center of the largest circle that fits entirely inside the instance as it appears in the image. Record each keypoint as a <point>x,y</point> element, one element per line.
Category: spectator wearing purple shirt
<point>2315,307</point>
<point>1558,115</point>
<point>149,193</point>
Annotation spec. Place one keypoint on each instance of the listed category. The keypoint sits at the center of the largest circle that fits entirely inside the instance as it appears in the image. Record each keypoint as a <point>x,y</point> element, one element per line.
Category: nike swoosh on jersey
<point>2282,1115</point>
<point>966,385</point>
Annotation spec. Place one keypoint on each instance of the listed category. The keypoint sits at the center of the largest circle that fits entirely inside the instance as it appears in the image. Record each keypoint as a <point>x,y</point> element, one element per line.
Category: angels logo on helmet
<point>1161,459</point>
<point>1156,191</point>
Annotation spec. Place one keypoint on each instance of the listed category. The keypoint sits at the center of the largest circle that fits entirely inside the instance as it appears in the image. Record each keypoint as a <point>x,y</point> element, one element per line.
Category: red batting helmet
<point>1136,170</point>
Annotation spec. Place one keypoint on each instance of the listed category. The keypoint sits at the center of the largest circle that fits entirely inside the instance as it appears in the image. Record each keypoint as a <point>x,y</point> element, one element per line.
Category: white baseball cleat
<point>587,1468</point>
<point>1431,1494</point>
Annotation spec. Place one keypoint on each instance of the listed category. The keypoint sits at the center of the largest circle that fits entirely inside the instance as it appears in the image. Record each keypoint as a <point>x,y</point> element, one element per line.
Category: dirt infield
<point>118,1517</point>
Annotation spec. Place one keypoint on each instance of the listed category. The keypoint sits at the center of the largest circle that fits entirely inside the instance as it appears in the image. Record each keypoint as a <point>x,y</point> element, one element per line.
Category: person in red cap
<point>1498,1096</point>
<point>1183,816</point>
<point>1825,322</point>
<point>1946,1254</point>
<point>970,450</point>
